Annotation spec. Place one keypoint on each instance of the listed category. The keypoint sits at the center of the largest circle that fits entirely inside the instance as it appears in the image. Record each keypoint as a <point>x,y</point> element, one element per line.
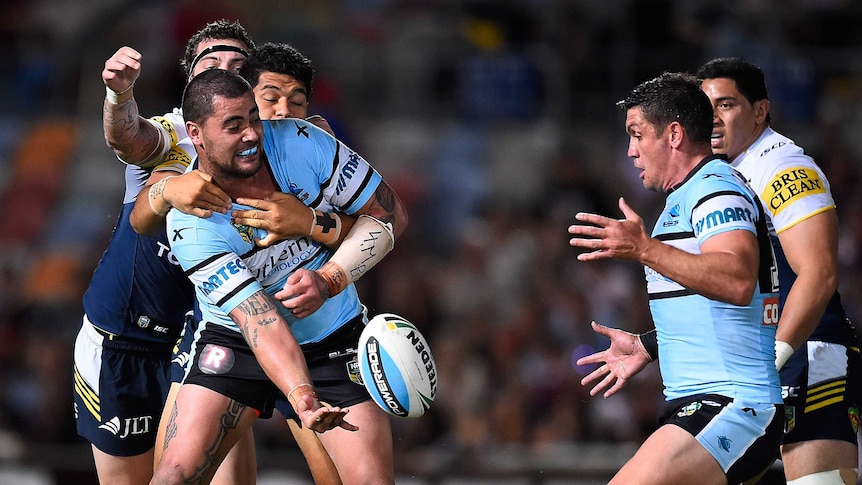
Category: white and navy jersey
<point>177,149</point>
<point>225,265</point>
<point>707,346</point>
<point>138,290</point>
<point>792,188</point>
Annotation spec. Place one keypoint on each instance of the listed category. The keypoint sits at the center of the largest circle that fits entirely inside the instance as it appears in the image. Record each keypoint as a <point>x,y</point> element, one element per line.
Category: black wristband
<point>650,343</point>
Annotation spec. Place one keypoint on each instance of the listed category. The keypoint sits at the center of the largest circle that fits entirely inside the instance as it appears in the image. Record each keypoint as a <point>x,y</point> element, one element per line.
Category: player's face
<point>230,138</point>
<point>227,60</point>
<point>737,122</point>
<point>280,96</point>
<point>650,151</point>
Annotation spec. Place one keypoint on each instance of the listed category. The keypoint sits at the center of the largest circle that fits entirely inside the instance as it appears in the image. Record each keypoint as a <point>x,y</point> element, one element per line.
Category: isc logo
<point>770,311</point>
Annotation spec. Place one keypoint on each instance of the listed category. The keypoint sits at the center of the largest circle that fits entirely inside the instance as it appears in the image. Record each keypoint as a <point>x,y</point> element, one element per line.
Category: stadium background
<point>495,122</point>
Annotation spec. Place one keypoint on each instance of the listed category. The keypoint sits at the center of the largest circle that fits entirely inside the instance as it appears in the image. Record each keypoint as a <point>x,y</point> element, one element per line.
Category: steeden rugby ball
<point>397,367</point>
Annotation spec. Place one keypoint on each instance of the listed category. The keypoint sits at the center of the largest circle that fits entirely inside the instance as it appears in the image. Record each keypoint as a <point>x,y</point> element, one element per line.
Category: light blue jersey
<point>226,266</point>
<point>707,346</point>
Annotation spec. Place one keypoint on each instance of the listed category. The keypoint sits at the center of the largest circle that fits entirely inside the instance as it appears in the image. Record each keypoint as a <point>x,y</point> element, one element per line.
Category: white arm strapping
<point>365,245</point>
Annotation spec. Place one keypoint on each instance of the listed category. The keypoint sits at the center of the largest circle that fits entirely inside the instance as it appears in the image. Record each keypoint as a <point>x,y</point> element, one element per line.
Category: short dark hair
<point>280,59</point>
<point>673,96</point>
<point>216,30</point>
<point>200,92</point>
<point>749,79</point>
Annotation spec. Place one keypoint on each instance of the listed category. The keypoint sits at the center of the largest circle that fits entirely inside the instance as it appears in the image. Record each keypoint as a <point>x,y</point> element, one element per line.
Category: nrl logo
<point>246,232</point>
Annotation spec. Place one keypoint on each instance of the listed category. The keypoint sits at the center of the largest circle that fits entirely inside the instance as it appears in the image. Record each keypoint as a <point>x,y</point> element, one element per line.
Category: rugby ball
<point>396,366</point>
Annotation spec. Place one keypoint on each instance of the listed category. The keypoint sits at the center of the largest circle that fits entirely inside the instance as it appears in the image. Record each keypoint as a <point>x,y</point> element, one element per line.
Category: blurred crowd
<point>494,121</point>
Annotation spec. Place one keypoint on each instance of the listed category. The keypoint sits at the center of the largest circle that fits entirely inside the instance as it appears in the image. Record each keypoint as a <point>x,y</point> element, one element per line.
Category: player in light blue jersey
<point>258,303</point>
<point>712,286</point>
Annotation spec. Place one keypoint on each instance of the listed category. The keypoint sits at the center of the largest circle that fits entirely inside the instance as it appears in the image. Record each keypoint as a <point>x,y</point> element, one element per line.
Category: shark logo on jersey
<point>674,215</point>
<point>246,232</point>
<point>297,191</point>
<point>724,442</point>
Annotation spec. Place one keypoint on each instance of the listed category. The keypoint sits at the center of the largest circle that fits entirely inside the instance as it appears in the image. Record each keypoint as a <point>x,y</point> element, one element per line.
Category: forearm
<point>367,243</point>
<point>269,337</point>
<point>148,215</point>
<point>715,275</point>
<point>132,137</point>
<point>804,307</point>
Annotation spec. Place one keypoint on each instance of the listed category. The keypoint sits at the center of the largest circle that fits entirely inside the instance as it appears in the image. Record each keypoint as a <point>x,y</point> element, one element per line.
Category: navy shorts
<point>743,437</point>
<point>334,369</point>
<point>120,389</point>
<point>821,387</point>
<point>182,350</point>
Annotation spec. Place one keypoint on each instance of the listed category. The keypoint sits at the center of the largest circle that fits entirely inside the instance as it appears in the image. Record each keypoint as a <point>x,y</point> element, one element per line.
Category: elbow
<point>741,294</point>
<point>830,282</point>
<point>401,220</point>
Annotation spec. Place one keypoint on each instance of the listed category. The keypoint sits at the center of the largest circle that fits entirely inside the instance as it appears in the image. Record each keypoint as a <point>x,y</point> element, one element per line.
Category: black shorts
<point>223,362</point>
<point>334,369</point>
<point>743,437</point>
<point>821,387</point>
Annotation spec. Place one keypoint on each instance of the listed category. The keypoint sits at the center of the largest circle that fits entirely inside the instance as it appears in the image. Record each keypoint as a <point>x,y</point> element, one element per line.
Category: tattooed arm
<point>133,138</point>
<point>280,356</point>
<point>386,207</point>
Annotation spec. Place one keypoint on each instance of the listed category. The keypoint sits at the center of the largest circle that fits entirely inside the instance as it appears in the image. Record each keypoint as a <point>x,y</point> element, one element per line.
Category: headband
<point>215,48</point>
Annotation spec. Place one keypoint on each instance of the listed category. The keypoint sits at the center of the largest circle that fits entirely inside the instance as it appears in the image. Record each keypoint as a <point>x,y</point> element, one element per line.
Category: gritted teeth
<point>250,151</point>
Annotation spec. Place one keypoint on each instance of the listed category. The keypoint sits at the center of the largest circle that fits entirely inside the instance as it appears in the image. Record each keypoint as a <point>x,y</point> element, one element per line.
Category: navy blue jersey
<point>138,290</point>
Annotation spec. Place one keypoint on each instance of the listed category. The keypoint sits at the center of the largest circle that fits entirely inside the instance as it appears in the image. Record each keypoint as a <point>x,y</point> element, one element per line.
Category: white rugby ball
<point>397,367</point>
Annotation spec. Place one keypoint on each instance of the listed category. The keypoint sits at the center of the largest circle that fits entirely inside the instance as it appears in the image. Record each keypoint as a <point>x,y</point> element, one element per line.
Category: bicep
<point>740,248</point>
<point>812,242</point>
<point>386,206</point>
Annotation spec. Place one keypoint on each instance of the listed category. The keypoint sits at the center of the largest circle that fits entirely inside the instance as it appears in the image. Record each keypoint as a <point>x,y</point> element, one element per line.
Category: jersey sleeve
<point>317,168</point>
<point>794,189</point>
<point>353,181</point>
<point>721,212</point>
<point>207,252</point>
<point>177,150</point>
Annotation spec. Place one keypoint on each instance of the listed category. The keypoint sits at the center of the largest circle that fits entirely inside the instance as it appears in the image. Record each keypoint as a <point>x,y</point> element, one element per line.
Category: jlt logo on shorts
<point>216,359</point>
<point>128,426</point>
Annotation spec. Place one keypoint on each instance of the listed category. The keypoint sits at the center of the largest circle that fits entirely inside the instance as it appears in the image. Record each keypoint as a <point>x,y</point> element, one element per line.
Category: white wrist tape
<point>113,96</point>
<point>365,245</point>
<point>783,351</point>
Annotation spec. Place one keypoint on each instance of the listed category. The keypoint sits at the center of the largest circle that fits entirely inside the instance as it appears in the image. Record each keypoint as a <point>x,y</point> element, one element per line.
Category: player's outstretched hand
<point>122,69</point>
<point>610,238</point>
<point>318,416</point>
<point>620,362</point>
<point>281,215</point>
<point>303,293</point>
<point>195,193</point>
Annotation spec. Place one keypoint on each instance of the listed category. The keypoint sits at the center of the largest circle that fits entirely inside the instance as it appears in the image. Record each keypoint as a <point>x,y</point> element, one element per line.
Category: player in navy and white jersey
<point>817,350</point>
<point>135,308</point>
<point>139,298</point>
<point>712,286</point>
<point>246,346</point>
